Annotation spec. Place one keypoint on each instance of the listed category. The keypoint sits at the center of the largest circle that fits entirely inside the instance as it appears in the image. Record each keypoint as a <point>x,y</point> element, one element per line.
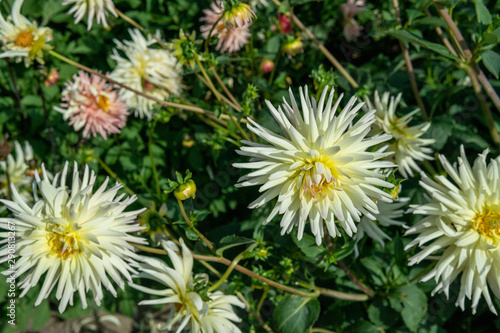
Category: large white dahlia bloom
<point>154,72</point>
<point>193,313</point>
<point>461,229</point>
<point>21,38</point>
<point>91,8</point>
<point>408,145</point>
<point>320,171</point>
<point>75,238</point>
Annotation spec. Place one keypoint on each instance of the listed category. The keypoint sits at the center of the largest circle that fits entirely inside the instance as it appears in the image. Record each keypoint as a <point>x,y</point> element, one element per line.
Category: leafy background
<point>401,303</point>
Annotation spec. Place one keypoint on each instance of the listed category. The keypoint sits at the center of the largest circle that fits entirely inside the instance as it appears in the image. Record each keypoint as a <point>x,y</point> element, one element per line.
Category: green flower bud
<point>186,190</point>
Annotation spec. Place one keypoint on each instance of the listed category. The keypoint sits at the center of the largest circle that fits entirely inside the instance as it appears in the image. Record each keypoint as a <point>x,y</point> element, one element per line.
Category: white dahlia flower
<point>154,72</point>
<point>461,229</point>
<point>21,38</point>
<point>407,144</point>
<point>193,313</point>
<point>320,171</point>
<point>389,215</point>
<point>20,172</point>
<point>91,8</point>
<point>72,239</point>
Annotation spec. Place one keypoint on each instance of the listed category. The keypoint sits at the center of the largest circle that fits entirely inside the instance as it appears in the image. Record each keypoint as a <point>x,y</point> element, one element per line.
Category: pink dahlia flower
<point>230,39</point>
<point>349,9</point>
<point>93,105</point>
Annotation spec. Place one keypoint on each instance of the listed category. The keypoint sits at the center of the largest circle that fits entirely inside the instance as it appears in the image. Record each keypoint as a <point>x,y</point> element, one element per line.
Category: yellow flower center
<point>63,240</point>
<point>317,179</point>
<point>103,103</point>
<point>24,39</point>
<point>487,223</point>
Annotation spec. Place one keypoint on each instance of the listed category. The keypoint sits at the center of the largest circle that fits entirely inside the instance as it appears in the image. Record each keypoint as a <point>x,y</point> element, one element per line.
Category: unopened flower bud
<point>52,78</point>
<point>293,48</point>
<point>186,190</point>
<point>266,66</point>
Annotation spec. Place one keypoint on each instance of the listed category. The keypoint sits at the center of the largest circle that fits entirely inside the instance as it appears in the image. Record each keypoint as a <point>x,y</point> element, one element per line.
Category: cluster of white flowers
<point>154,72</point>
<point>325,173</point>
<point>212,312</point>
<point>407,143</point>
<point>18,171</point>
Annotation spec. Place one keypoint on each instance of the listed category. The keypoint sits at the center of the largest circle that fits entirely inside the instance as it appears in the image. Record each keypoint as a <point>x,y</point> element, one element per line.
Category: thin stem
<point>227,262</point>
<point>218,96</point>
<point>151,157</point>
<point>354,279</point>
<point>226,90</point>
<point>159,101</point>
<point>231,267</point>
<point>254,313</point>
<point>47,121</point>
<point>455,32</point>
<point>14,84</point>
<point>188,221</point>
<point>262,298</point>
<point>409,66</point>
<point>322,48</point>
<point>271,77</point>
<point>114,175</point>
<point>484,106</point>
<point>210,33</point>
<point>441,35</point>
<point>138,26</point>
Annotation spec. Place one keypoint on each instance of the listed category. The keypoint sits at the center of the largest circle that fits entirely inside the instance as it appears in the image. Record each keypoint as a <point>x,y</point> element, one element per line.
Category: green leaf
<point>308,245</point>
<point>411,302</point>
<point>231,241</point>
<point>296,314</point>
<point>440,131</point>
<point>363,326</point>
<point>381,314</point>
<point>407,36</point>
<point>41,315</point>
<point>483,14</point>
<point>491,61</point>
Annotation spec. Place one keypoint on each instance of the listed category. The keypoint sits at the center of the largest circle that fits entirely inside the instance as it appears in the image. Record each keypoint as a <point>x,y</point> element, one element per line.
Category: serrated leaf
<point>491,61</point>
<point>232,241</point>
<point>406,36</point>
<point>296,314</point>
<point>482,13</point>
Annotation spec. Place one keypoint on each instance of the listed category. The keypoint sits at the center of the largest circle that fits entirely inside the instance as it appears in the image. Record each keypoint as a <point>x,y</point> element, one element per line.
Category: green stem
<point>151,157</point>
<point>321,47</point>
<point>317,290</point>
<point>114,175</point>
<point>231,267</point>
<point>188,221</point>
<point>217,95</point>
<point>271,77</point>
